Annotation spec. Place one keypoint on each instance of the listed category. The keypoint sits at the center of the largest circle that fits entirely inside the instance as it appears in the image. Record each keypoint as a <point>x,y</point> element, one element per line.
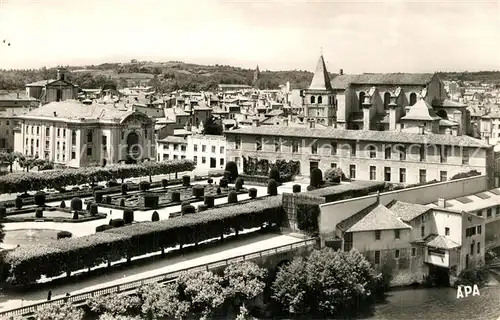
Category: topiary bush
<point>128,216</point>
<point>103,227</point>
<point>296,188</point>
<point>75,215</point>
<point>98,196</point>
<point>107,199</point>
<point>116,223</point>
<point>64,234</point>
<point>239,183</point>
<point>209,201</point>
<point>93,209</point>
<point>3,212</point>
<point>316,177</point>
<point>334,175</point>
<point>202,207</point>
<point>155,216</point>
<point>40,198</point>
<point>188,209</point>
<point>76,204</point>
<point>88,206</point>
<point>144,185</point>
<point>164,183</point>
<point>272,188</point>
<point>186,180</point>
<point>122,202</point>
<point>63,204</point>
<point>210,180</point>
<point>233,170</point>
<point>124,188</point>
<point>274,173</point>
<point>198,191</point>
<point>176,196</point>
<point>19,203</point>
<point>219,191</point>
<point>232,197</point>
<point>39,213</point>
<point>223,183</point>
<point>151,201</point>
<point>252,193</point>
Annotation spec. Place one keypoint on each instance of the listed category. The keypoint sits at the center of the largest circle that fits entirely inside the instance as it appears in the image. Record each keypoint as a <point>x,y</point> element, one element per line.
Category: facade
<point>74,134</point>
<point>47,91</point>
<point>207,151</point>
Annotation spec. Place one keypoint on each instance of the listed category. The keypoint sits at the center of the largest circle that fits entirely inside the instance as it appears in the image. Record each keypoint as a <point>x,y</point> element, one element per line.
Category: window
<point>176,146</point>
<point>422,153</point>
<point>498,210</point>
<point>89,151</point>
<point>446,231</point>
<point>465,156</point>
<point>402,153</point>
<point>413,98</point>
<point>377,257</point>
<point>373,152</point>
<point>213,149</point>
<point>413,252</point>
<point>295,146</point>
<point>422,175</point>
<point>237,143</point>
<point>472,249</point>
<point>387,153</point>
<point>313,99</point>
<point>320,99</point>
<point>444,154</point>
<point>37,130</point>
<point>396,234</point>
<point>480,213</point>
<point>443,175</point>
<point>373,173</point>
<point>402,175</point>
<point>333,146</point>
<point>387,173</point>
<point>314,147</point>
<point>183,148</point>
<point>73,155</point>
<point>396,254</point>
<point>203,160</point>
<point>203,148</point>
<point>377,234</point>
<point>488,212</point>
<point>64,146</point>
<point>387,100</point>
<point>89,137</point>
<point>104,142</point>
<point>47,131</point>
<point>258,143</point>
<point>352,171</point>
<point>46,144</point>
<point>175,157</point>
<point>221,161</point>
<point>58,132</point>
<point>195,159</point>
<point>58,145</point>
<point>64,133</point>
<point>479,247</point>
<point>422,231</point>
<point>195,148</point>
<point>221,150</point>
<point>183,157</point>
<point>353,149</point>
<point>333,165</point>
<point>277,145</point>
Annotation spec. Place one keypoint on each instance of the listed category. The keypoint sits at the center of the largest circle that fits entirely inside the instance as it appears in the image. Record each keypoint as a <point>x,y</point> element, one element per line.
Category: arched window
<point>361,99</point>
<point>313,99</point>
<point>387,100</point>
<point>320,99</point>
<point>413,98</point>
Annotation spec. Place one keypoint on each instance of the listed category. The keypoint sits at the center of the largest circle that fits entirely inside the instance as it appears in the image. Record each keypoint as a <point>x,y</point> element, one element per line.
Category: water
<point>439,303</point>
<point>28,236</point>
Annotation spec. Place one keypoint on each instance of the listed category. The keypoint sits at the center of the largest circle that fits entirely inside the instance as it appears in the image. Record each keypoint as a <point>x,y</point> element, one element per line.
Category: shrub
<point>219,191</point>
<point>39,213</point>
<point>223,183</point>
<point>76,204</point>
<point>98,188</point>
<point>316,177</point>
<point>198,191</point>
<point>272,188</point>
<point>227,174</point>
<point>188,209</point>
<point>202,207</point>
<point>232,197</point>
<point>144,185</point>
<point>239,183</point>
<point>124,188</point>
<point>209,201</point>
<point>93,209</point>
<point>3,212</point>
<point>19,203</point>
<point>233,169</point>
<point>98,196</point>
<point>103,227</point>
<point>116,223</point>
<point>490,255</point>
<point>128,216</point>
<point>107,199</point>
<point>184,203</point>
<point>40,198</point>
<point>64,234</point>
<point>334,175</point>
<point>75,215</point>
<point>274,173</point>
<point>176,196</point>
<point>252,193</point>
<point>307,218</point>
<point>210,180</point>
<point>472,276</point>
<point>155,216</point>
<point>310,188</point>
<point>186,180</point>
<point>122,202</point>
<point>296,188</point>
<point>462,175</point>
<point>151,201</point>
<point>88,206</point>
<point>164,183</point>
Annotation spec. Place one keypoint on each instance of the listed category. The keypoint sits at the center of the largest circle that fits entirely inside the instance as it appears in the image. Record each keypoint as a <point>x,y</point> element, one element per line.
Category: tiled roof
<point>407,211</point>
<point>342,81</point>
<point>379,218</point>
<point>447,123</point>
<point>16,96</point>
<point>173,139</point>
<point>447,103</point>
<point>480,201</point>
<point>321,79</point>
<point>440,242</point>
<point>346,224</point>
<point>421,111</point>
<point>41,83</point>
<point>364,135</point>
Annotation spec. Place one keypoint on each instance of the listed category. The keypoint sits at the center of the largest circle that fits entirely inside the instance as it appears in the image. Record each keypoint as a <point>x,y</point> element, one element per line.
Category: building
<point>207,151</point>
<point>403,157</point>
<point>16,101</point>
<point>11,105</point>
<point>74,134</point>
<point>234,87</point>
<point>59,89</point>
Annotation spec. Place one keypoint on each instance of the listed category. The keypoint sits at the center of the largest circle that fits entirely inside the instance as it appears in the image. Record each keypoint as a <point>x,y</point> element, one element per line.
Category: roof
<point>379,218</point>
<point>477,202</point>
<point>407,211</point>
<point>421,110</point>
<point>344,80</point>
<point>447,123</point>
<point>43,83</point>
<point>440,242</point>
<point>173,139</point>
<point>447,103</point>
<point>16,96</point>
<point>363,135</point>
<point>321,79</point>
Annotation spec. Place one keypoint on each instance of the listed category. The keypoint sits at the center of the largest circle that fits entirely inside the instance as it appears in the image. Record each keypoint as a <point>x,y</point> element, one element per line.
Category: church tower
<point>256,76</point>
<point>319,99</point>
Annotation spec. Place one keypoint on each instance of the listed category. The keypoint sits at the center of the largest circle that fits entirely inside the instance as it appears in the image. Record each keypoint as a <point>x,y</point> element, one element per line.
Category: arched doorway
<point>134,150</point>
<point>442,113</point>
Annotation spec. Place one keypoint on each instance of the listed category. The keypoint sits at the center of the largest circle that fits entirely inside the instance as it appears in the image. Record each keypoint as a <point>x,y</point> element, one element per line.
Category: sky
<point>368,36</point>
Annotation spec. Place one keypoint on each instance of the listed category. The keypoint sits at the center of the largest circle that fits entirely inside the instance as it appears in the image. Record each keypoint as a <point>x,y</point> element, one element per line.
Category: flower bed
<point>53,214</point>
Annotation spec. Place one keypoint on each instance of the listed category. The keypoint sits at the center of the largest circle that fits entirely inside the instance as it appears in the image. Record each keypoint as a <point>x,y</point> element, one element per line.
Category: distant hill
<point>483,76</point>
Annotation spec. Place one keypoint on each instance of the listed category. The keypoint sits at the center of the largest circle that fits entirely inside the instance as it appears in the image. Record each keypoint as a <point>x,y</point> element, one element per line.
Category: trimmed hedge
<point>223,183</point>
<point>232,197</point>
<point>3,212</point>
<point>274,173</point>
<point>144,185</point>
<point>122,202</point>
<point>26,264</point>
<point>19,203</point>
<point>64,234</point>
<point>272,188</point>
<point>107,199</point>
<point>186,181</point>
<point>209,201</point>
<point>219,191</point>
<point>316,177</point>
<point>176,196</point>
<point>116,223</point>
<point>151,201</point>
<point>188,209</point>
<point>210,180</point>
<point>39,213</point>
<point>198,191</point>
<point>40,198</point>
<point>233,169</point>
<point>155,216</point>
<point>239,183</point>
<point>202,207</point>
<point>103,227</point>
<point>62,205</point>
<point>76,204</point>
<point>252,193</point>
<point>93,209</point>
<point>128,216</point>
<point>98,196</point>
<point>75,215</point>
<point>124,188</point>
<point>296,188</point>
<point>164,183</point>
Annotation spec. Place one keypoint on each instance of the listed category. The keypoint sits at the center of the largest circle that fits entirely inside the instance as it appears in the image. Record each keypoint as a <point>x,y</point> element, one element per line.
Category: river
<point>439,303</point>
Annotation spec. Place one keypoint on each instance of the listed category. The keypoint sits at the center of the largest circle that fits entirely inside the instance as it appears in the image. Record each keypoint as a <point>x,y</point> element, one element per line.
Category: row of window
<point>472,231</point>
<point>319,99</point>
<point>397,254</point>
<point>59,131</point>
<point>204,149</point>
<point>443,175</point>
<point>489,212</point>
<point>387,99</point>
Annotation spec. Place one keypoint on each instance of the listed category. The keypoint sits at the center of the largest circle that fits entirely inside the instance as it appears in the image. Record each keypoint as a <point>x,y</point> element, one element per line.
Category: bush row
<point>26,264</point>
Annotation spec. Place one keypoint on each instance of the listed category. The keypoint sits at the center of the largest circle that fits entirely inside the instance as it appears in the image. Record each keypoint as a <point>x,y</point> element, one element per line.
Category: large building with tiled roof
<point>59,89</point>
<point>75,134</point>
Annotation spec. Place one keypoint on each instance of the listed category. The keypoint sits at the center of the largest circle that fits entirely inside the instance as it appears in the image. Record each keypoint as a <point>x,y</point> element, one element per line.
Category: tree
<point>113,304</point>
<point>243,281</point>
<point>9,158</point>
<point>290,288</point>
<point>334,175</point>
<point>27,162</point>
<point>59,312</point>
<point>161,302</point>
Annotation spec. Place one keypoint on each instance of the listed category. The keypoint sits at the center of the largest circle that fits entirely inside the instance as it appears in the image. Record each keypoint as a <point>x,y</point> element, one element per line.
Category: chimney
<point>441,203</point>
<point>341,71</point>
<point>255,122</point>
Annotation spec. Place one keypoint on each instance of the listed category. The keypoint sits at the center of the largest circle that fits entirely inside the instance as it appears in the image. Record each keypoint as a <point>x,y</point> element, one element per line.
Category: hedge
<point>252,193</point>
<point>186,181</point>
<point>128,216</point>
<point>19,203</point>
<point>188,209</point>
<point>19,182</point>
<point>176,196</point>
<point>272,188</point>
<point>117,222</point>
<point>103,227</point>
<point>151,200</point>
<point>26,264</point>
<point>39,213</point>
<point>155,216</point>
<point>64,234</point>
<point>232,197</point>
<point>98,196</point>
<point>223,183</point>
<point>296,188</point>
<point>93,209</point>
<point>144,185</point>
<point>239,183</point>
<point>198,191</point>
<point>164,183</point>
<point>3,212</point>
<point>209,201</point>
<point>76,204</point>
<point>202,207</point>
<point>40,198</point>
<point>124,188</point>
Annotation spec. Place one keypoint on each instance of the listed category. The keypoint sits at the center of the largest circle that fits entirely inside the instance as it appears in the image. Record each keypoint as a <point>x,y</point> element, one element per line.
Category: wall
<point>332,213</point>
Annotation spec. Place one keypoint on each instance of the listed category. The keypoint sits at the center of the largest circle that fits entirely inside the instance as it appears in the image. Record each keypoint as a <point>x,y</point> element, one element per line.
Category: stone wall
<point>291,202</point>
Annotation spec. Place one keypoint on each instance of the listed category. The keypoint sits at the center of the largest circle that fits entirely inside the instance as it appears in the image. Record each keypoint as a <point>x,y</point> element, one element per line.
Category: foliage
<point>155,216</point>
<point>335,175</point>
<point>3,212</point>
<point>274,174</point>
<point>64,234</point>
<point>316,178</point>
<point>63,204</point>
<point>286,170</point>
<point>54,311</point>
<point>39,213</point>
<point>243,281</point>
<point>76,204</point>
<point>93,209</point>
<point>462,175</point>
<point>209,201</point>
<point>144,185</point>
<point>116,223</point>
<point>307,218</point>
<point>124,188</point>
<point>128,216</point>
<point>252,193</point>
<point>233,169</point>
<point>9,158</point>
<point>161,302</point>
<point>176,196</point>
<point>232,197</point>
<point>40,198</point>
<point>186,180</point>
<point>113,304</point>
<point>473,276</point>
<point>98,194</point>
<point>189,209</point>
<point>103,227</point>
<point>219,191</point>
<point>164,183</point>
<point>19,203</point>
<point>239,183</point>
<point>198,191</point>
<point>490,255</point>
<point>272,188</point>
<point>296,188</point>
<point>223,183</point>
<point>202,207</point>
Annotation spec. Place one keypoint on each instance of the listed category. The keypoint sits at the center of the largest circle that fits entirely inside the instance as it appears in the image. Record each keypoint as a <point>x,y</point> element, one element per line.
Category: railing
<point>162,278</point>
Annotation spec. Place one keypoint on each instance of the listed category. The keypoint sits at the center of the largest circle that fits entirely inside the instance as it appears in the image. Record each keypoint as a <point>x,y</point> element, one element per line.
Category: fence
<point>132,285</point>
